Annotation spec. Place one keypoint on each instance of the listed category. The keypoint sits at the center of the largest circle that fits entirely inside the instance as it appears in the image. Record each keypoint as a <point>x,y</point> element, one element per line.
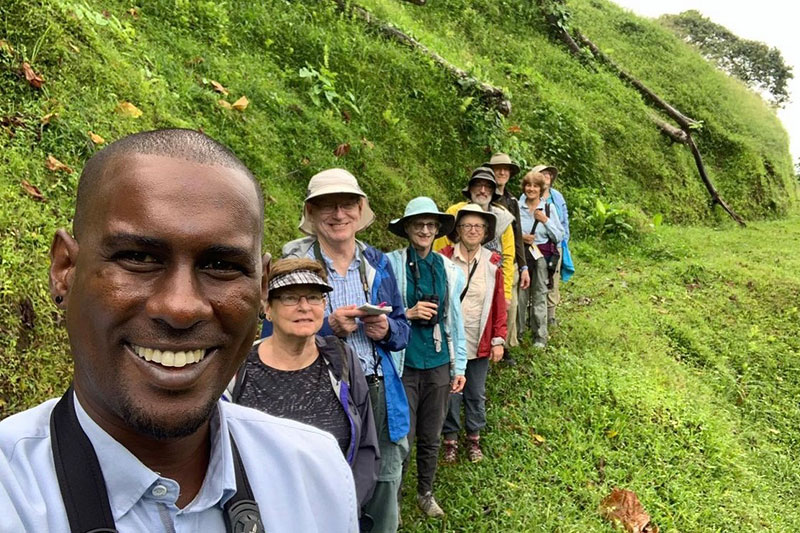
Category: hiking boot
<point>474,449</point>
<point>429,506</point>
<point>507,359</point>
<point>450,451</point>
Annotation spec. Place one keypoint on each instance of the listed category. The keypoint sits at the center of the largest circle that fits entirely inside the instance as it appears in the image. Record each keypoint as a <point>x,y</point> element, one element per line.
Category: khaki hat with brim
<point>475,209</point>
<point>335,181</point>
<point>481,173</point>
<point>552,169</point>
<point>419,206</point>
<point>503,159</point>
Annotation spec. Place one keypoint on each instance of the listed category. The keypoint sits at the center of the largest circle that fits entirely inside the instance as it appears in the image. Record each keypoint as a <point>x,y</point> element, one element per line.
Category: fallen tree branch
<point>676,134</point>
<point>685,137</point>
<point>684,121</point>
<point>682,135</point>
<point>715,197</point>
<point>557,20</point>
<point>494,96</point>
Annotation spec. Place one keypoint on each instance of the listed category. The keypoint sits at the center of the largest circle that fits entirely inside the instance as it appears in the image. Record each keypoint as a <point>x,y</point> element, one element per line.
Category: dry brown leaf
<point>538,439</point>
<point>346,116</point>
<point>514,129</point>
<point>305,162</point>
<point>219,88</point>
<point>622,508</point>
<point>225,104</point>
<point>5,47</point>
<point>57,166</point>
<point>241,104</point>
<point>129,110</point>
<point>33,79</point>
<point>96,139</point>
<point>33,191</point>
<point>47,118</point>
<point>342,150</point>
<point>368,144</point>
<point>133,12</point>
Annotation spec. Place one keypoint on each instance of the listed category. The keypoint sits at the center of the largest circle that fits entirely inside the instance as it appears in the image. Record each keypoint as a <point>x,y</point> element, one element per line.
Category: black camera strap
<point>83,488</point>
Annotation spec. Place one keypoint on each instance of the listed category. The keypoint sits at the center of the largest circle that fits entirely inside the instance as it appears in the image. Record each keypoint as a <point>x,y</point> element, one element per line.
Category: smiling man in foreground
<point>161,285</point>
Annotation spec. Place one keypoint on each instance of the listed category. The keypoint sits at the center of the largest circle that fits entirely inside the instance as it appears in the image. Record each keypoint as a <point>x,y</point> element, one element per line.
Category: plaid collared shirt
<point>348,290</point>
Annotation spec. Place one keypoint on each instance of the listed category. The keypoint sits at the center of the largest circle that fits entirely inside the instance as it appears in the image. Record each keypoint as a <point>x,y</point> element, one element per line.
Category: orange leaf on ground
<point>241,104</point>
<point>55,165</point>
<point>225,104</point>
<point>96,139</point>
<point>34,79</point>
<point>514,129</point>
<point>219,88</point>
<point>129,110</point>
<point>33,191</point>
<point>48,117</point>
<point>342,149</point>
<point>622,508</point>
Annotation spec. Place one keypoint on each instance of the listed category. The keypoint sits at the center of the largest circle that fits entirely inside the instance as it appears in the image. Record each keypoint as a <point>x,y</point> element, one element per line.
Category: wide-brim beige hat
<point>502,159</point>
<point>553,170</point>
<point>335,181</point>
<point>475,209</point>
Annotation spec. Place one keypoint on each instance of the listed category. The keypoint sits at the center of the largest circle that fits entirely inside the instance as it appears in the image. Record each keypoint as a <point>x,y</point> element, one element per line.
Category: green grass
<point>674,374</point>
<point>674,371</point>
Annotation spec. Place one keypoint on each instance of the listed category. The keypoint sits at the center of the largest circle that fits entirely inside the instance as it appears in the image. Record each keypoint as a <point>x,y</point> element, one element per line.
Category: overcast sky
<point>774,22</point>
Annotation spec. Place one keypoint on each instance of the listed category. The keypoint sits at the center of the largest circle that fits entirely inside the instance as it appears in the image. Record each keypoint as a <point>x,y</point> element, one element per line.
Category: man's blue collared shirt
<point>349,290</point>
<point>298,476</point>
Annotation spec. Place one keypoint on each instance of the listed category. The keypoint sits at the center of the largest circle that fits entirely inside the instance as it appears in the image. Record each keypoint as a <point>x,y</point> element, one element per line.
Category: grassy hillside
<point>674,374</point>
<point>667,345</point>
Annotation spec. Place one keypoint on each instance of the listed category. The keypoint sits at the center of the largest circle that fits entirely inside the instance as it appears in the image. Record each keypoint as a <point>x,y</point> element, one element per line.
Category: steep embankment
<point>316,80</point>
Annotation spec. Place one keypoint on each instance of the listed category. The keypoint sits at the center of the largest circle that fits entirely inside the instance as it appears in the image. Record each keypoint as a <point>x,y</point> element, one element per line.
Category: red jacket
<point>494,324</point>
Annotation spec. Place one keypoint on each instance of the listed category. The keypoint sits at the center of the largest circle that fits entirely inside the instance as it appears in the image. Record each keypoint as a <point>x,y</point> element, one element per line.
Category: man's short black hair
<point>190,145</point>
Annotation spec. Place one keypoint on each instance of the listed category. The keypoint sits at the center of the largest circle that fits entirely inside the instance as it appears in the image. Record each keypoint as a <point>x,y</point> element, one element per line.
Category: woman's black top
<point>304,395</point>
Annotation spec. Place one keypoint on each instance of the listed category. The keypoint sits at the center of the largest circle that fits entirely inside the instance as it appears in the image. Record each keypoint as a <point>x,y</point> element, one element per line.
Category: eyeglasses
<point>327,208</point>
<point>470,227</point>
<point>290,300</point>
<point>419,226</point>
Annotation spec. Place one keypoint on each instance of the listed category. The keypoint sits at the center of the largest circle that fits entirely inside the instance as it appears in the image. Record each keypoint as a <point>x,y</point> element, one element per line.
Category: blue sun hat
<point>422,205</point>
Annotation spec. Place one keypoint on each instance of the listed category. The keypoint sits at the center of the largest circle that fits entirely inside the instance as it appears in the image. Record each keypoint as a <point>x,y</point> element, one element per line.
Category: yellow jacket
<point>506,240</point>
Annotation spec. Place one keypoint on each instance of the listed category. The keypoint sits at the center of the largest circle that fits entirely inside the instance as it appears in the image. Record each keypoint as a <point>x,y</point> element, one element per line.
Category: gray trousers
<point>474,399</point>
<point>554,295</point>
<point>427,392</point>
<point>383,506</point>
<point>532,312</point>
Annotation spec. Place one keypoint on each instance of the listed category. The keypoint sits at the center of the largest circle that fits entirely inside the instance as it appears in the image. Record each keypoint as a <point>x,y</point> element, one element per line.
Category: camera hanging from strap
<point>83,487</point>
